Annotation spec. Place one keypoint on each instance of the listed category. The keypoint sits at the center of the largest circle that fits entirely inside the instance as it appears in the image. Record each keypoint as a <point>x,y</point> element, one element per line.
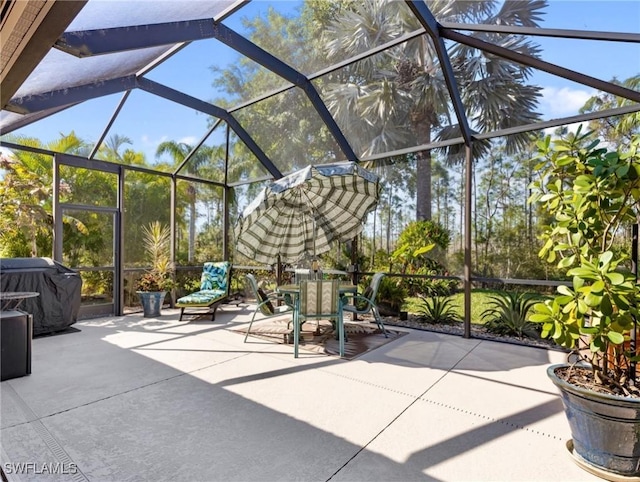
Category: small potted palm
<point>592,197</point>
<point>154,284</point>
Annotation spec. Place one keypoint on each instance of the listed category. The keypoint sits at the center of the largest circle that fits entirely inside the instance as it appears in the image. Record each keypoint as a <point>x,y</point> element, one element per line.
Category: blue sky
<point>561,97</point>
<point>602,60</point>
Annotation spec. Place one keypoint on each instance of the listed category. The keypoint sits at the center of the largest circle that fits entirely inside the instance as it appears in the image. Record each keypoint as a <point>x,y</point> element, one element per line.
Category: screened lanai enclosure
<point>119,114</point>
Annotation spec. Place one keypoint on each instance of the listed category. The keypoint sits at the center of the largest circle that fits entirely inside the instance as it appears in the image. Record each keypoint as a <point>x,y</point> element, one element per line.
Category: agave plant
<point>507,314</point>
<point>438,309</point>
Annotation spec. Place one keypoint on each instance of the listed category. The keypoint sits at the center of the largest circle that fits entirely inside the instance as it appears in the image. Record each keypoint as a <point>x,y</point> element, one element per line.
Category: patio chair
<point>365,302</point>
<point>301,274</point>
<point>215,283</point>
<point>319,300</point>
<point>267,303</point>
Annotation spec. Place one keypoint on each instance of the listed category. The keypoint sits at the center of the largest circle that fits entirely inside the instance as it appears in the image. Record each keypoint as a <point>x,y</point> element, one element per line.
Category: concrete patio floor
<point>135,399</point>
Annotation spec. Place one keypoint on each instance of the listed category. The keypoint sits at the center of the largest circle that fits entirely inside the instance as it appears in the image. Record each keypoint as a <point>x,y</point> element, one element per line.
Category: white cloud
<point>5,152</point>
<point>189,140</point>
<point>151,142</point>
<point>563,102</point>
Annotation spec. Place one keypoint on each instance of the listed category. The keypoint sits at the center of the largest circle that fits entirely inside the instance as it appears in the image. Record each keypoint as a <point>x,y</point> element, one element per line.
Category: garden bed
<point>477,331</point>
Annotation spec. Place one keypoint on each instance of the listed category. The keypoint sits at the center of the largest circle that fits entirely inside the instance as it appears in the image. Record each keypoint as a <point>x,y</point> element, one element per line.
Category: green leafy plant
<point>507,313</point>
<point>157,239</point>
<point>420,250</point>
<point>438,309</point>
<point>152,282</point>
<point>592,195</point>
<point>391,296</point>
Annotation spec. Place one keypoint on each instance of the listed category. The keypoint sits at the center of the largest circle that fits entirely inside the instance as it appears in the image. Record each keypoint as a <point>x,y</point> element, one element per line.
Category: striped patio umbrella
<point>301,214</point>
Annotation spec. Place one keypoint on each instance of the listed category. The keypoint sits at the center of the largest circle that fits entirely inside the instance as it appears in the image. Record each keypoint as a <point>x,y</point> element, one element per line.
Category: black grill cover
<point>60,288</point>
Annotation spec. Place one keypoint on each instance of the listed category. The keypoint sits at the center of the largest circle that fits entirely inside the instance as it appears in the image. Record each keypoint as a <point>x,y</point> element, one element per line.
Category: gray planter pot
<point>386,309</point>
<point>151,302</point>
<point>605,429</point>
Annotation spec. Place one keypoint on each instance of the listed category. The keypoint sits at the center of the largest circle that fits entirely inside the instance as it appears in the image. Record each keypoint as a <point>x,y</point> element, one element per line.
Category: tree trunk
<point>373,238</point>
<point>461,201</point>
<point>422,129</point>
<point>389,223</point>
<point>423,186</point>
<point>475,217</point>
<point>439,193</point>
<point>192,223</point>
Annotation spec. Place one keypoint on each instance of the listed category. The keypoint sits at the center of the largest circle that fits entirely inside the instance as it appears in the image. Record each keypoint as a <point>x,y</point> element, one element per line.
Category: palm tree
<point>620,129</point>
<point>111,147</point>
<point>402,92</point>
<point>26,192</point>
<point>178,152</point>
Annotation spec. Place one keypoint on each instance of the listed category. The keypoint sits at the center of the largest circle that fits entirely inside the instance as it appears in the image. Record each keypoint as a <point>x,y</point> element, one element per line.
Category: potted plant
<point>153,286</point>
<point>592,195</point>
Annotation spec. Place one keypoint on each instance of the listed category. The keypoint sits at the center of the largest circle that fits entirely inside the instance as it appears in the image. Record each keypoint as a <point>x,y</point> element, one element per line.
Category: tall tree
<point>112,146</point>
<point>178,152</point>
<point>291,138</point>
<point>26,195</point>
<point>618,129</point>
<point>403,91</point>
<point>442,194</point>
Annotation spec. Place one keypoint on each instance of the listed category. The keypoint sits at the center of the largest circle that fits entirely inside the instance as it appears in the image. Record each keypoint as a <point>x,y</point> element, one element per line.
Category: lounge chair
<point>215,283</point>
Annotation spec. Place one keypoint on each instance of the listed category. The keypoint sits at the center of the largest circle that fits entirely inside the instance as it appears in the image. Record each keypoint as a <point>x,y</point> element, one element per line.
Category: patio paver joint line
<point>485,417</point>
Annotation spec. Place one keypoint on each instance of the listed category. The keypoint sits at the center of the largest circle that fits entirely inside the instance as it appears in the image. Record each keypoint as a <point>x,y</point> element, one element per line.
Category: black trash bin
<point>59,288</point>
<point>16,332</point>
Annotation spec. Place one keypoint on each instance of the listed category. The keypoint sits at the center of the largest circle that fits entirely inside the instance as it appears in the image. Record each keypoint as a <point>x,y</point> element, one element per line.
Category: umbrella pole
<point>314,244</point>
<point>354,260</point>
<point>278,271</point>
<point>314,259</point>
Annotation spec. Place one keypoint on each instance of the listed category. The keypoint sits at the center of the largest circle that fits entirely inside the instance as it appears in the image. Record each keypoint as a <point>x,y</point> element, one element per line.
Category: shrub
<point>438,309</point>
<point>391,295</point>
<point>591,195</point>
<point>507,315</point>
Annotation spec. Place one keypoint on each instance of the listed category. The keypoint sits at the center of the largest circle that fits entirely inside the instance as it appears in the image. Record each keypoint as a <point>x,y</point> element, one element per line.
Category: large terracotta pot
<point>605,429</point>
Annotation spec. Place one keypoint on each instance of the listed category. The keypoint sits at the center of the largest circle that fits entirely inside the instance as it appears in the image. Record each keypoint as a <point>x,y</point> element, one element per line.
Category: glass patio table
<point>294,289</point>
<point>11,300</point>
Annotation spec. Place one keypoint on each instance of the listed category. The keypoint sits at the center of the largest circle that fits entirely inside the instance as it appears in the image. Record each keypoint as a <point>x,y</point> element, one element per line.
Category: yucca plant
<point>157,239</point>
<point>507,314</point>
<point>439,309</point>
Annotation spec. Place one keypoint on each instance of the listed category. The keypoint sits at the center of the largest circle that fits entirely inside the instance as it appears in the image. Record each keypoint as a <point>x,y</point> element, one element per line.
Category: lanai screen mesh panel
<point>60,70</point>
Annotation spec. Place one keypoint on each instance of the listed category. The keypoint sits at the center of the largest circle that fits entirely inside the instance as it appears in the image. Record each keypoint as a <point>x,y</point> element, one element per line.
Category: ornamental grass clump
<point>592,196</point>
